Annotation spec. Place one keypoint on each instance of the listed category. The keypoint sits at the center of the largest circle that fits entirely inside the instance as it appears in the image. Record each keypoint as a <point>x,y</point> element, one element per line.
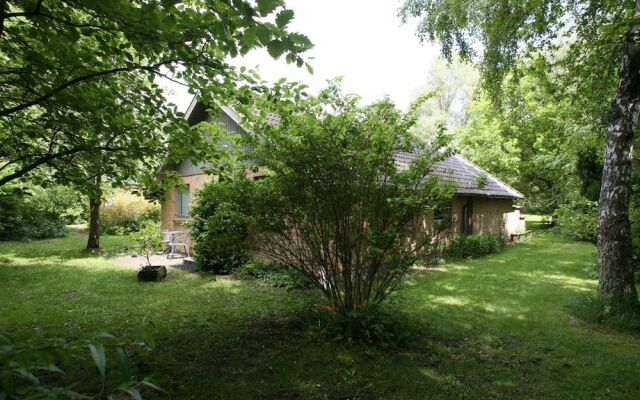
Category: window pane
<point>183,200</point>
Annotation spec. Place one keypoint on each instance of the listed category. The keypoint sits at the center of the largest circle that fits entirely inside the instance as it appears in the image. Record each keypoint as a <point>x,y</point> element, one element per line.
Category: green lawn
<point>496,327</point>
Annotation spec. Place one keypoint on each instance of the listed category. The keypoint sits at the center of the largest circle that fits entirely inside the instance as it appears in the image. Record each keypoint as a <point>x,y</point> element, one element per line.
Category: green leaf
<point>284,17</point>
<point>275,48</point>
<point>309,68</point>
<point>152,385</point>
<point>99,358</point>
<point>250,37</point>
<point>135,393</point>
<point>264,34</point>
<point>267,6</point>
<point>123,363</point>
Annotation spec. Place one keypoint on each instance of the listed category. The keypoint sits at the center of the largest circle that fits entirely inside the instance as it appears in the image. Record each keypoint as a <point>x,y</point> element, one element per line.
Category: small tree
<point>339,207</point>
<point>147,241</point>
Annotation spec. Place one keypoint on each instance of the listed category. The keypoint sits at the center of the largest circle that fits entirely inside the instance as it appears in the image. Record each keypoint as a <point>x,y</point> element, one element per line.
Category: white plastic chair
<point>179,239</point>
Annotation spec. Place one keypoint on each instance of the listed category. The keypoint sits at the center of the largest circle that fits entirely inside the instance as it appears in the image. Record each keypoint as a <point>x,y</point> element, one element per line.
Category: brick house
<point>481,204</point>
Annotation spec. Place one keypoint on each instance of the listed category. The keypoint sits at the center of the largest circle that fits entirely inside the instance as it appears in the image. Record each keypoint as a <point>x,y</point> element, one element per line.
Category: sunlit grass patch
<point>495,327</point>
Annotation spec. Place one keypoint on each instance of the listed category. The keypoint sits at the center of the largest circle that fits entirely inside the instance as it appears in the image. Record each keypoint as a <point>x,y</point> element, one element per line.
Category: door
<point>467,218</point>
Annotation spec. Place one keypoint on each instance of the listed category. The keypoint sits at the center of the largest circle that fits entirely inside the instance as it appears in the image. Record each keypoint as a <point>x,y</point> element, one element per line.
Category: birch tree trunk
<point>615,278</point>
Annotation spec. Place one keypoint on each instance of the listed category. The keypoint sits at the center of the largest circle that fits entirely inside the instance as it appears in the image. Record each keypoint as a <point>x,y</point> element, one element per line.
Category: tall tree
<point>60,58</point>
<point>450,87</point>
<point>616,277</point>
<point>79,99</point>
<point>604,37</point>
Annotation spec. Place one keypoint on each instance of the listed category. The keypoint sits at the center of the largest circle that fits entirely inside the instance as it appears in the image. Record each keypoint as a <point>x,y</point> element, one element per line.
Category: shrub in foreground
<point>37,370</point>
<point>473,246</point>
<point>376,325</point>
<point>338,208</point>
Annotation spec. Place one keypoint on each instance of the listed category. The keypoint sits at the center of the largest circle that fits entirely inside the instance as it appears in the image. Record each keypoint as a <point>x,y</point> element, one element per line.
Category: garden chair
<point>166,240</point>
<point>178,240</point>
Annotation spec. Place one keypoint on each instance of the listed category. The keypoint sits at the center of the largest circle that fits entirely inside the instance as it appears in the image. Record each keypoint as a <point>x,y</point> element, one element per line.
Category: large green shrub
<point>579,220</point>
<point>220,225</point>
<point>473,246</point>
<point>124,212</point>
<point>36,212</point>
<point>338,208</point>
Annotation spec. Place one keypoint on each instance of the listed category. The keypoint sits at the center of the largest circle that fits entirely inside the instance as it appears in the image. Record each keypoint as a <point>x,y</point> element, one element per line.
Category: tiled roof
<point>455,169</point>
<point>466,176</point>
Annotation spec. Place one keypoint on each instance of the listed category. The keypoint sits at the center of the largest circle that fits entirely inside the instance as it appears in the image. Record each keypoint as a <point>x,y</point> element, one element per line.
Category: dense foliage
<point>473,246</point>
<point>124,212</point>
<point>37,213</point>
<point>338,208</point>
<point>79,77</point>
<point>579,220</point>
<point>37,370</point>
<point>220,224</point>
<point>81,87</point>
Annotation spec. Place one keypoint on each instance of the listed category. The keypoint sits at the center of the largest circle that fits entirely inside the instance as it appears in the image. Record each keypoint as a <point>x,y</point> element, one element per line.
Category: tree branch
<point>152,68</point>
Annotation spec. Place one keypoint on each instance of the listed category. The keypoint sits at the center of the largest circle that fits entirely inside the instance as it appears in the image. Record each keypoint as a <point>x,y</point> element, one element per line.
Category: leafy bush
<point>37,213</point>
<point>36,371</point>
<point>579,220</point>
<point>220,225</point>
<point>602,311</point>
<point>472,246</point>
<point>147,240</point>
<point>124,213</point>
<point>271,273</point>
<point>338,207</point>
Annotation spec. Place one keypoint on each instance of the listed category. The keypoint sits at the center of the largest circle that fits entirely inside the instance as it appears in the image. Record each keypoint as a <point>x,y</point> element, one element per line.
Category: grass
<point>495,327</point>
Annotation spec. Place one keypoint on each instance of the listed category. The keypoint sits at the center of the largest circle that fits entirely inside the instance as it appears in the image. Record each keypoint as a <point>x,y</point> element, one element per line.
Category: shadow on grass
<point>488,328</point>
<point>72,246</point>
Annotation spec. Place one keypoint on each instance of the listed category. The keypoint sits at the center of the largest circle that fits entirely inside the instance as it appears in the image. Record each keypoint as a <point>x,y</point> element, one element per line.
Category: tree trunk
<point>615,278</point>
<point>95,200</point>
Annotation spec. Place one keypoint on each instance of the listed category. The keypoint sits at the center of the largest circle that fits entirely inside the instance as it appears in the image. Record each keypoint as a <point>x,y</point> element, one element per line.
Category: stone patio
<point>179,262</point>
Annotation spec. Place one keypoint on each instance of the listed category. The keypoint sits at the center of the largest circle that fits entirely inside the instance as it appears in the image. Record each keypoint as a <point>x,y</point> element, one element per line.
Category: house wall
<point>170,219</point>
<point>490,216</point>
<point>169,208</point>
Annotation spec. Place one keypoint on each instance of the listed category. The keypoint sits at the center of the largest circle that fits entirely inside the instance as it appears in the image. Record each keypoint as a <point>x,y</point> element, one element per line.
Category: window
<point>442,217</point>
<point>183,198</point>
<point>467,218</point>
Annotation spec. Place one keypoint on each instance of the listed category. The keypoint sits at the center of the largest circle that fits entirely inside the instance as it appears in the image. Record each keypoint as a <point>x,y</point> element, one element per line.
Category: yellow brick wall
<point>490,216</point>
<point>170,220</point>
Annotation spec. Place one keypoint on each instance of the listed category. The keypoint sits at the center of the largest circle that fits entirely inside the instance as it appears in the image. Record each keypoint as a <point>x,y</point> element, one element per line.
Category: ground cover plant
<point>493,327</point>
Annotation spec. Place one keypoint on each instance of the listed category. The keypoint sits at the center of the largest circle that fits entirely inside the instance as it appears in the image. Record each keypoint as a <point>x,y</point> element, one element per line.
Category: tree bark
<point>95,200</point>
<point>616,280</point>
